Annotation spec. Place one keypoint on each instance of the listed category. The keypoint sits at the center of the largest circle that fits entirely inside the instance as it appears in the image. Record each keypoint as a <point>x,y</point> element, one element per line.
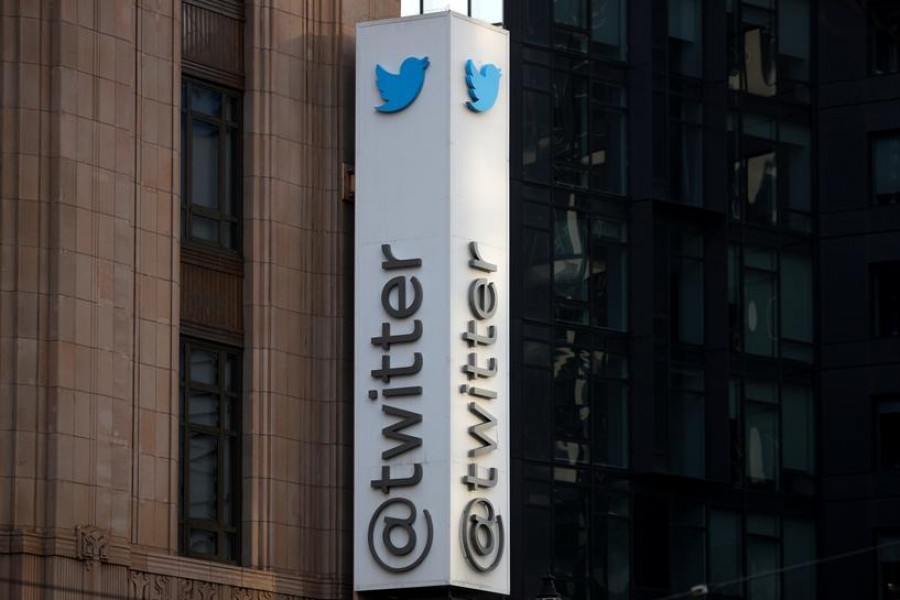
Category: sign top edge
<point>434,15</point>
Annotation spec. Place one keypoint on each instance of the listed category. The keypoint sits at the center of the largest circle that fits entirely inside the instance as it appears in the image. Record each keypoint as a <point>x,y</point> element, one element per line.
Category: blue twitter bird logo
<point>399,90</point>
<point>483,86</point>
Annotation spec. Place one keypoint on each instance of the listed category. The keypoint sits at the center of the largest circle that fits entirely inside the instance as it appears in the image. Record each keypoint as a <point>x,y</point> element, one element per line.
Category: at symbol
<point>405,527</point>
<point>482,534</point>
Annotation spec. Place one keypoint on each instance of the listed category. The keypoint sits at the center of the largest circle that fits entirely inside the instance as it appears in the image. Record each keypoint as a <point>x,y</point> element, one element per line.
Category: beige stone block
<point>29,125</point>
<point>62,454</point>
<point>106,49</point>
<point>120,520</point>
<point>84,276</point>
<point>106,152</point>
<point>87,42</point>
<point>104,189</point>
<point>147,387</point>
<point>161,480</point>
<point>123,382</point>
<point>82,502</point>
<point>104,374</point>
<point>123,332</point>
<point>84,141</point>
<point>62,363</point>
<point>85,94</point>
<point>147,341</point>
<point>125,59</point>
<point>121,428</point>
<point>124,152</point>
<point>165,213</point>
<point>82,465</point>
<point>85,13</point>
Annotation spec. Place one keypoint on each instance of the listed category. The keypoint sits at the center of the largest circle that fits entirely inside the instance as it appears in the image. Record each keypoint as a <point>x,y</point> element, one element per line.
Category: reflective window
<point>763,556</point>
<point>884,36</point>
<point>591,541</point>
<point>590,400</point>
<point>798,548</point>
<point>590,269</point>
<point>209,502</point>
<point>687,541</point>
<point>769,47</point>
<point>687,422</point>
<point>887,417</point>
<point>685,35</point>
<point>885,153</point>
<point>725,544</point>
<point>596,27</point>
<point>686,150</point>
<point>210,166</point>
<point>686,314</point>
<point>886,292</point>
<point>761,434</point>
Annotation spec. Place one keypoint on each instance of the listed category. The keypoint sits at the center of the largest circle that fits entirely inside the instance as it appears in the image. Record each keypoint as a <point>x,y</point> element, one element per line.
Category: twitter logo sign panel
<point>483,86</point>
<point>398,90</point>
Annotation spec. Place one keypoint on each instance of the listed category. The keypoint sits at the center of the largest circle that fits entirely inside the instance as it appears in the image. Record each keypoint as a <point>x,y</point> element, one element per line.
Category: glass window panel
<point>537,402</point>
<point>889,434</point>
<point>796,298</point>
<point>571,531</point>
<point>886,169</point>
<point>762,557</point>
<point>760,299</point>
<point>884,46</point>
<point>607,154</point>
<point>762,173</point>
<point>203,408</point>
<point>206,101</point>
<point>609,279</point>
<point>686,300</point>
<point>685,36</point>
<point>799,547</point>
<point>228,147</point>
<point>762,444</point>
<point>887,298</point>
<point>795,140</point>
<point>232,415</point>
<point>570,277</point>
<point>794,39</point>
<point>687,548</point>
<point>611,423</point>
<point>760,53</point>
<point>761,391</point>
<point>608,28</point>
<point>571,400</point>
<point>204,228</point>
<point>230,551</point>
<point>570,119</point>
<point>203,453</point>
<point>204,164</point>
<point>232,373</point>
<point>725,550</point>
<point>617,560</point>
<point>204,366</point>
<point>203,542</point>
<point>536,136</point>
<point>570,12</point>
<point>799,428</point>
<point>686,153</point>
<point>687,425</point>
<point>536,274</point>
<point>537,22</point>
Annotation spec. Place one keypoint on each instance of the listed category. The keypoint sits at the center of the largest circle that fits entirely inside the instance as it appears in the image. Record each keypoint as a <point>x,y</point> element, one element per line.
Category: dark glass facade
<point>705,228</point>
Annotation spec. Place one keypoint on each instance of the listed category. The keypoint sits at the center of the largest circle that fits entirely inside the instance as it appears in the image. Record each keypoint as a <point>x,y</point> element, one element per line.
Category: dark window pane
<point>204,366</point>
<point>686,152</point>
<point>203,453</point>
<point>609,273</point>
<point>762,557</point>
<point>607,152</point>
<point>886,169</point>
<point>889,433</point>
<point>608,28</point>
<point>536,136</point>
<point>571,506</point>
<point>203,408</point>
<point>570,12</point>
<point>685,34</point>
<point>688,546</point>
<point>205,164</point>
<point>799,428</point>
<point>760,301</point>
<point>884,42</point>
<point>537,22</point>
<point>886,288</point>
<point>611,423</point>
<point>725,549</point>
<point>203,542</point>
<point>686,300</point>
<point>799,547</point>
<point>796,298</point>
<point>795,142</point>
<point>794,39</point>
<point>228,483</point>
<point>204,228</point>
<point>570,259</point>
<point>889,566</point>
<point>206,101</point>
<point>570,120</point>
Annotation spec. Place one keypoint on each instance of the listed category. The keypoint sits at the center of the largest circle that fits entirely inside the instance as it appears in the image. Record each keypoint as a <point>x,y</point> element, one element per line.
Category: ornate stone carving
<point>147,586</point>
<point>245,594</point>
<point>191,589</point>
<point>91,544</point>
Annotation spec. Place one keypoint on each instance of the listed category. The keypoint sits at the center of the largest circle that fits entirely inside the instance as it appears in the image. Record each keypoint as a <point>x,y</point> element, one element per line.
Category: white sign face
<point>431,498</point>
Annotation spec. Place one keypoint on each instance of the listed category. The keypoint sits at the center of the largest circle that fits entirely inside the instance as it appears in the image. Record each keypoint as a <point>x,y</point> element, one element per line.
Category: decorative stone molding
<point>191,589</point>
<point>245,594</point>
<point>147,586</point>
<point>91,545</point>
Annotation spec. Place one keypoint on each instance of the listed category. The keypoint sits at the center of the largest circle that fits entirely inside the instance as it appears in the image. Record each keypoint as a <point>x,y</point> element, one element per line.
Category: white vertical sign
<point>431,498</point>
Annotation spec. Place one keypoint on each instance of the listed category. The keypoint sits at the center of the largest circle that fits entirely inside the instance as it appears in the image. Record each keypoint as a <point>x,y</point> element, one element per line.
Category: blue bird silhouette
<point>398,91</point>
<point>483,86</point>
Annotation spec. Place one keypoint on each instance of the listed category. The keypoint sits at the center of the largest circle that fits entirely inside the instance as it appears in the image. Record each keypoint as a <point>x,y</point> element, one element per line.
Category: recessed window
<point>210,166</point>
<point>886,168</point>
<point>889,566</point>
<point>209,501</point>
<point>886,291</point>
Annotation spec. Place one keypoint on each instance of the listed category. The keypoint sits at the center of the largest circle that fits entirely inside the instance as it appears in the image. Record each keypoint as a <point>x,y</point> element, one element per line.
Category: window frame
<point>892,198</point>
<point>223,434</point>
<point>229,178</point>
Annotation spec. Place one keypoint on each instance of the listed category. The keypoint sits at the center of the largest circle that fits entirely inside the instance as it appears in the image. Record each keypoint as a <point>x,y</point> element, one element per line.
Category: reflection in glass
<point>535,136</point>
<point>203,476</point>
<point>204,366</point>
<point>686,151</point>
<point>203,542</point>
<point>796,297</point>
<point>685,36</point>
<point>687,422</point>
<point>608,28</point>
<point>686,300</point>
<point>205,164</point>
<point>760,306</point>
<point>762,444</point>
<point>206,101</point>
<point>799,543</point>
<point>763,556</point>
<point>725,549</point>
<point>570,12</point>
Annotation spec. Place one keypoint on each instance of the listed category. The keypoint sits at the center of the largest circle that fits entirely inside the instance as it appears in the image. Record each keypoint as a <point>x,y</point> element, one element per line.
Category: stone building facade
<point>101,284</point>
